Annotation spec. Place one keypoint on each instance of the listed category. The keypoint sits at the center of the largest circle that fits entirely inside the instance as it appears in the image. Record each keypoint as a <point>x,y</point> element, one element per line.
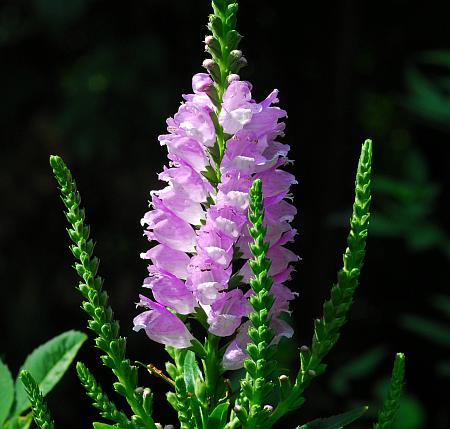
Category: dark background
<point>94,81</point>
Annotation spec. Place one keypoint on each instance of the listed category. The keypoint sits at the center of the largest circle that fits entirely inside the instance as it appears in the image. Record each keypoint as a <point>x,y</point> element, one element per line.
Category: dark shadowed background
<point>94,81</point>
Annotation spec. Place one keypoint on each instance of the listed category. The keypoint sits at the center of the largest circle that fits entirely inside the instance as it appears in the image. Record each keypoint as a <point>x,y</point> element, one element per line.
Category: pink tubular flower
<point>170,291</point>
<point>201,230</point>
<point>226,313</point>
<point>161,325</point>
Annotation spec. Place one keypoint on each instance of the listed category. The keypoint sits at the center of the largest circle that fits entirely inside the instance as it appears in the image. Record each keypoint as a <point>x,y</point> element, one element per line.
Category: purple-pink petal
<point>161,325</point>
<point>168,259</point>
<point>170,291</point>
<point>226,313</point>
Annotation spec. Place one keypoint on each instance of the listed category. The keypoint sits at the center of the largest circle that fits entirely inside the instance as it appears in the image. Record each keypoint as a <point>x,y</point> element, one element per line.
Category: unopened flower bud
<point>212,68</point>
<point>236,54</point>
<point>208,64</point>
<point>304,349</point>
<point>139,390</point>
<point>242,62</point>
<point>312,373</point>
<point>237,408</point>
<point>208,40</point>
<point>268,408</point>
<point>158,426</point>
<point>146,392</point>
<point>169,427</point>
<point>212,46</point>
<point>233,77</point>
<point>285,386</point>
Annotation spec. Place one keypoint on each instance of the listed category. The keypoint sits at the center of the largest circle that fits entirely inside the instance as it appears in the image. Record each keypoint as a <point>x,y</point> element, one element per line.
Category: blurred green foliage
<point>428,88</point>
<point>432,330</point>
<point>406,204</point>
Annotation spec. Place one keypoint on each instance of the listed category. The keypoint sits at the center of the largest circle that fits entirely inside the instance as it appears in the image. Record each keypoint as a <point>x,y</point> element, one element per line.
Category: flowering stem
<point>222,45</point>
<point>335,309</point>
<point>256,385</point>
<point>96,300</point>
<point>392,402</point>
<point>41,414</point>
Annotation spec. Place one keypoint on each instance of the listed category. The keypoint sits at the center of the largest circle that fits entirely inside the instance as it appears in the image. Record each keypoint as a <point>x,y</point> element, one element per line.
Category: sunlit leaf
<point>47,364</point>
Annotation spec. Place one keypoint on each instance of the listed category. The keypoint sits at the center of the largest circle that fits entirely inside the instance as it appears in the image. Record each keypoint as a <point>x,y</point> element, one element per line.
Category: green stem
<point>96,300</point>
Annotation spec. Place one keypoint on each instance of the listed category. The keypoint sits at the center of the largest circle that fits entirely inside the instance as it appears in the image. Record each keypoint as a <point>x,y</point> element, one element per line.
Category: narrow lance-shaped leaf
<point>98,425</point>
<point>335,422</point>
<point>218,417</point>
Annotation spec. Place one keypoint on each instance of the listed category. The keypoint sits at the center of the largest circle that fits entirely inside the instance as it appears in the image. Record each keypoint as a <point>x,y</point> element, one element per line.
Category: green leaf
<point>218,417</point>
<point>98,425</point>
<point>211,175</point>
<point>336,422</point>
<point>7,392</point>
<point>192,379</point>
<point>47,364</point>
<point>191,371</point>
<point>19,422</point>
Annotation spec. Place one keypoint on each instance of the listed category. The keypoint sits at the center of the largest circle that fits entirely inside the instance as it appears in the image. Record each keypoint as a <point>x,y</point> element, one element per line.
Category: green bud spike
<point>256,385</point>
<point>391,404</point>
<point>96,301</point>
<point>107,408</point>
<point>39,407</point>
<point>326,332</point>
